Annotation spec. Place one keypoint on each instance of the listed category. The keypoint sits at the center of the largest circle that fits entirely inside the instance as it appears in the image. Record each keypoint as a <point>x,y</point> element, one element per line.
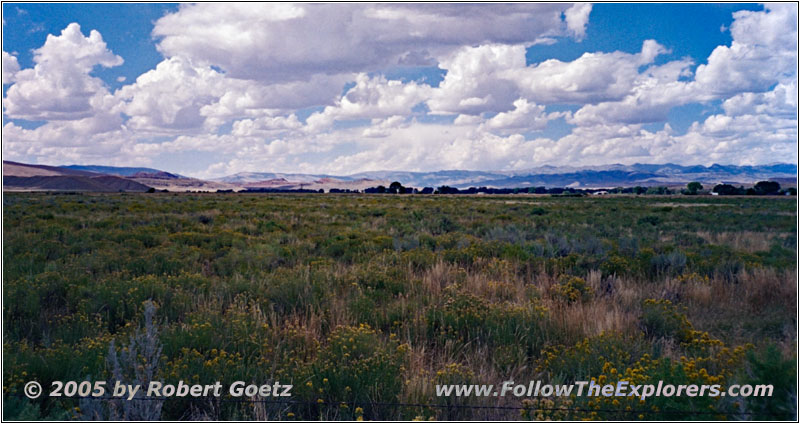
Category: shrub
<point>358,367</point>
<point>672,263</point>
<point>660,318</point>
<point>588,357</point>
<point>469,319</point>
<point>572,289</point>
<point>769,367</point>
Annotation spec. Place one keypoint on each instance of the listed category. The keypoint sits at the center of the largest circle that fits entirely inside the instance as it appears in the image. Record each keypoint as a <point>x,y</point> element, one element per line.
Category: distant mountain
<point>160,175</point>
<point>18,169</point>
<point>112,170</point>
<point>23,177</point>
<point>550,176</point>
<point>255,177</point>
<point>86,177</point>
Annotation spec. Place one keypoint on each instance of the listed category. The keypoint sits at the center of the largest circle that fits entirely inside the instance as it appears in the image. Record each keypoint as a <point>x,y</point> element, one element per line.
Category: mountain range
<point>26,177</point>
<point>551,176</point>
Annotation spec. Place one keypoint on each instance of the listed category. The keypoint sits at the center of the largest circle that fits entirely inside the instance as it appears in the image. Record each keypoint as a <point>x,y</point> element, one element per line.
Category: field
<point>365,303</point>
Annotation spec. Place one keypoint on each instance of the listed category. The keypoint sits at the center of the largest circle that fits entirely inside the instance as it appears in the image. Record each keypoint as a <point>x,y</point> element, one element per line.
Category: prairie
<point>364,303</point>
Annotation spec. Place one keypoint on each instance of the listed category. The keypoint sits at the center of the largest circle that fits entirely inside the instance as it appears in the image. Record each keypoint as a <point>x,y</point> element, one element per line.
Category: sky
<point>209,89</point>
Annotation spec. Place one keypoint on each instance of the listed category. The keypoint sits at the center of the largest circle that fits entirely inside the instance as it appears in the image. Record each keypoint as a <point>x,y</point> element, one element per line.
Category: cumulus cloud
<point>59,86</point>
<point>179,95</point>
<point>10,68</point>
<point>490,78</point>
<point>780,101</point>
<point>371,98</point>
<point>524,117</point>
<point>474,82</point>
<point>171,96</point>
<point>763,52</point>
<point>576,18</point>
<point>267,126</point>
<point>289,42</point>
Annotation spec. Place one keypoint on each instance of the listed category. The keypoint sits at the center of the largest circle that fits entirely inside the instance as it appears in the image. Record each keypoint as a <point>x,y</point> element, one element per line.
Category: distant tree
<point>767,187</point>
<point>639,190</point>
<point>396,187</point>
<point>693,187</point>
<point>381,189</point>
<point>791,191</point>
<point>728,190</point>
<point>658,190</point>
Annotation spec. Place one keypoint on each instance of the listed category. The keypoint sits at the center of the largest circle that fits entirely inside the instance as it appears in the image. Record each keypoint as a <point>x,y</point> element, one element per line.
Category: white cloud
<point>179,96</point>
<point>59,86</point>
<point>490,78</point>
<point>591,78</point>
<point>10,68</point>
<point>371,98</point>
<point>781,101</point>
<point>171,96</point>
<point>474,81</point>
<point>576,18</point>
<point>266,126</point>
<point>525,117</point>
<point>763,52</point>
<point>283,42</point>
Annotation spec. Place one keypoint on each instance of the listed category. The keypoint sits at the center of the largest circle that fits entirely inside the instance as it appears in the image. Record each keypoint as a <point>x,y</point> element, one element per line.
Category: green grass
<point>370,300</point>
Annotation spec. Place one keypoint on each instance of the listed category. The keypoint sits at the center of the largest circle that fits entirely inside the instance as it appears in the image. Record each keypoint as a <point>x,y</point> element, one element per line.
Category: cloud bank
<point>305,88</point>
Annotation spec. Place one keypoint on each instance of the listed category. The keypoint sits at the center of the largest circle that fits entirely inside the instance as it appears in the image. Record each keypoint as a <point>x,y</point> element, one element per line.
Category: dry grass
<point>747,241</point>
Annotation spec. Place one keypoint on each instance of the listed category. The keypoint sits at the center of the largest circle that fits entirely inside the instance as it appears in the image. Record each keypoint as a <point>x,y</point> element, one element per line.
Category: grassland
<point>366,301</point>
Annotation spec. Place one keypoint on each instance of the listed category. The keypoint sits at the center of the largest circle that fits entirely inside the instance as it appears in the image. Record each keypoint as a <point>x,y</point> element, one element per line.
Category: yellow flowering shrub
<point>468,318</point>
<point>572,289</point>
<point>356,366</point>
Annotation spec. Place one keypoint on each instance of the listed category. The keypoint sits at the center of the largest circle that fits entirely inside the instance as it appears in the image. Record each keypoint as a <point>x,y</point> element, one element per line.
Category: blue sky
<point>338,88</point>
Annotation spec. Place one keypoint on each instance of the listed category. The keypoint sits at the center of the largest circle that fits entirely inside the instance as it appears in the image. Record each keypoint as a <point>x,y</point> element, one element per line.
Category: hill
<point>23,177</point>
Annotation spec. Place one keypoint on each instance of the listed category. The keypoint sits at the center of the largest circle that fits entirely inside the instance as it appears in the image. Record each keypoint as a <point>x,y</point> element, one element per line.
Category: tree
<point>767,187</point>
<point>657,190</point>
<point>446,190</point>
<point>693,187</point>
<point>396,187</point>
<point>639,190</point>
<point>728,190</point>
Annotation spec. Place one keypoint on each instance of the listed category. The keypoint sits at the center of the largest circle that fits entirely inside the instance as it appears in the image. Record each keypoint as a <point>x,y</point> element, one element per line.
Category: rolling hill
<point>23,177</point>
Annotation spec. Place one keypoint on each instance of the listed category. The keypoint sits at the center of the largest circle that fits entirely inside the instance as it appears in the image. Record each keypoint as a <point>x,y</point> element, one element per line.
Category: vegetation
<point>693,188</point>
<point>761,188</point>
<point>364,302</point>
